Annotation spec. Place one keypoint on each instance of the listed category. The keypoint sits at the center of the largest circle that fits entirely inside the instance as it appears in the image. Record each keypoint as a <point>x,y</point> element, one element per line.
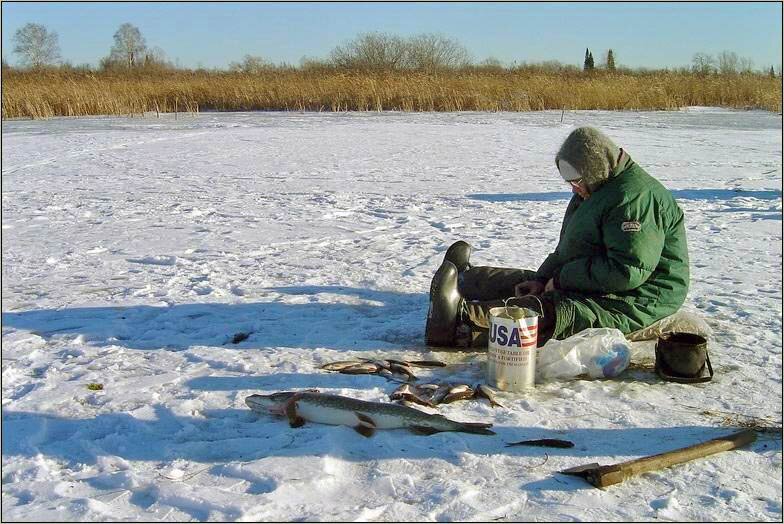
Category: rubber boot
<point>458,254</point>
<point>445,304</point>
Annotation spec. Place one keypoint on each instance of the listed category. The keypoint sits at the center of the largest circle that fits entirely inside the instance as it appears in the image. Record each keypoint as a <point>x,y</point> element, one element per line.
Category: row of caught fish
<point>387,368</point>
<point>424,394</point>
<point>433,394</point>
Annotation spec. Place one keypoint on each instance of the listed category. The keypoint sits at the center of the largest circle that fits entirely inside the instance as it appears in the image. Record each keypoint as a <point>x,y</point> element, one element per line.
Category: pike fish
<point>365,417</point>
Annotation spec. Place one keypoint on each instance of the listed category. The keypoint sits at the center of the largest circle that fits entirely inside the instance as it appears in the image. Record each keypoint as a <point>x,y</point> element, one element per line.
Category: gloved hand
<point>529,287</point>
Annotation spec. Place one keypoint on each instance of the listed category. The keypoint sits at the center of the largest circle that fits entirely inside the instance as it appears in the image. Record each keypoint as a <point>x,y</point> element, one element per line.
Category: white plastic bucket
<point>511,348</point>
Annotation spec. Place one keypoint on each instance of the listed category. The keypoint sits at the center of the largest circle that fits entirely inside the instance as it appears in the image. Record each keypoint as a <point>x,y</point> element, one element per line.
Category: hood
<point>594,155</point>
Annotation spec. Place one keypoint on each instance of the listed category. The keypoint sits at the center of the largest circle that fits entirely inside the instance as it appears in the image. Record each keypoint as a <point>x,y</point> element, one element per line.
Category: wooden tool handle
<point>615,473</point>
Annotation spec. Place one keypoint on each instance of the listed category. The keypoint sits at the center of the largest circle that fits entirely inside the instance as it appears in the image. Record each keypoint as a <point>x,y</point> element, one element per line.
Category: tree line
<point>38,47</point>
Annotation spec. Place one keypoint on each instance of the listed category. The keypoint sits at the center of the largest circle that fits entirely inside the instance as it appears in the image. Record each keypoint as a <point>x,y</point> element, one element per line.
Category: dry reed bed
<point>26,94</point>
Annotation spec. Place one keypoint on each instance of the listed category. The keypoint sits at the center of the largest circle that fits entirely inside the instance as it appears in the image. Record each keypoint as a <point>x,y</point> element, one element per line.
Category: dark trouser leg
<point>485,287</point>
<point>491,283</point>
<point>478,312</point>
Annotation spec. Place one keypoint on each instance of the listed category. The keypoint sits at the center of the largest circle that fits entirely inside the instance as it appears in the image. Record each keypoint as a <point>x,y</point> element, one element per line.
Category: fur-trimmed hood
<point>594,155</point>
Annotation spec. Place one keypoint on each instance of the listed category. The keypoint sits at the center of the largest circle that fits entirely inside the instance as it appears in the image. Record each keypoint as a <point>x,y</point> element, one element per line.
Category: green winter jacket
<point>621,260</point>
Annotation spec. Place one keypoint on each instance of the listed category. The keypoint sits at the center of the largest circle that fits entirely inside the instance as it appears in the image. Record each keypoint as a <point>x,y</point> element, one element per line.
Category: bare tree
<point>491,64</point>
<point>431,52</point>
<point>36,45</point>
<point>309,63</point>
<point>156,57</point>
<point>250,64</point>
<point>703,64</point>
<point>129,45</point>
<point>745,65</point>
<point>727,63</point>
<point>547,66</point>
<point>371,51</point>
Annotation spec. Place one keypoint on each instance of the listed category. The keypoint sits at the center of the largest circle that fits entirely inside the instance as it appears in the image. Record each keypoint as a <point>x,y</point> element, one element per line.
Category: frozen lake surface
<point>135,249</point>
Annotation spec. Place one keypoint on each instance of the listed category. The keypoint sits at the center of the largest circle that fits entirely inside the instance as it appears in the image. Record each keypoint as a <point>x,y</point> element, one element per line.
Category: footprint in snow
<point>156,260</point>
<point>445,227</point>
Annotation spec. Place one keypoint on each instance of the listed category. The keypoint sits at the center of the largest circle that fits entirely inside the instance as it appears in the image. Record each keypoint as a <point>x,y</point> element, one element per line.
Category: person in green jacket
<point>621,260</point>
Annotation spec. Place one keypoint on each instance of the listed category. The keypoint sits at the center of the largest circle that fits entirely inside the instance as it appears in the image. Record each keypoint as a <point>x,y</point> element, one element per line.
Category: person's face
<point>579,188</point>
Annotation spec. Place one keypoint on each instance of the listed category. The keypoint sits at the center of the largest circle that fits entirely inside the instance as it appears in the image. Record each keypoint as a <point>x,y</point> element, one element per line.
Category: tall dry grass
<point>67,93</point>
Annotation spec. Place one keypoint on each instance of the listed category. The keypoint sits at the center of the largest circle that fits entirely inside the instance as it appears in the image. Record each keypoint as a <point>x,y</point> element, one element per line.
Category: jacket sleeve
<point>554,260</point>
<point>633,241</point>
<point>548,267</point>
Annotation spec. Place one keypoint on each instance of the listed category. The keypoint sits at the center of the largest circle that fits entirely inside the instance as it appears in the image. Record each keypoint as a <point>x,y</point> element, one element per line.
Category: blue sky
<point>215,34</point>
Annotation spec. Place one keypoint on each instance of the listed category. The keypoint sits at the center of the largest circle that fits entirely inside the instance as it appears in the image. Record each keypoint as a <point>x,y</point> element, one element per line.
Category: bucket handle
<point>541,306</point>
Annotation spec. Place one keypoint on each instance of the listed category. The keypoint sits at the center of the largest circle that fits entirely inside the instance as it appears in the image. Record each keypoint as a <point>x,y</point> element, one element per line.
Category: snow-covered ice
<point>134,250</point>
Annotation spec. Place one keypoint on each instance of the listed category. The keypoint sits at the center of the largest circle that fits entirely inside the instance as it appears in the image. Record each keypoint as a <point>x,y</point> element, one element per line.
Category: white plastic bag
<point>595,352</point>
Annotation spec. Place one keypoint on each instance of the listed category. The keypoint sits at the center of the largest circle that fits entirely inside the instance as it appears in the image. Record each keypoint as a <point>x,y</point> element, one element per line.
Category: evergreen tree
<point>772,73</point>
<point>585,62</point>
<point>590,61</point>
<point>610,60</point>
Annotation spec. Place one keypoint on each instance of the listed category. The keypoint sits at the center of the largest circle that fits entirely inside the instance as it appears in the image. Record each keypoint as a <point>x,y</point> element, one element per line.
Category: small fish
<point>440,393</point>
<point>383,364</point>
<point>544,442</point>
<point>402,370</point>
<point>427,363</point>
<point>341,364</point>
<point>390,376</point>
<point>458,392</point>
<point>363,368</point>
<point>418,363</point>
<point>365,417</point>
<point>485,392</point>
<point>408,393</point>
<point>426,391</point>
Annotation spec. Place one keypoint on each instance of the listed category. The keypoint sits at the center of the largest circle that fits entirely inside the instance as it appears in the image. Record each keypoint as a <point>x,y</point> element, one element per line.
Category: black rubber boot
<point>458,254</point>
<point>445,305</point>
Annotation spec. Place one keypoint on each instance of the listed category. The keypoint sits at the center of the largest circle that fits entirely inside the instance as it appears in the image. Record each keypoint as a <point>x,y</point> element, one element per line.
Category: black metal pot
<point>683,357</point>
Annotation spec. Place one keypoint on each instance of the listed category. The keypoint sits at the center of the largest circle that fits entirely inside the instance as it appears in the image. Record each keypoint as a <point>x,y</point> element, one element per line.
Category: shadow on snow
<point>230,435</point>
<point>362,319</point>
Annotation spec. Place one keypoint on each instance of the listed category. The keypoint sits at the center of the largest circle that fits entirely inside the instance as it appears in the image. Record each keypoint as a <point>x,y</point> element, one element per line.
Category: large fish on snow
<point>365,417</point>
